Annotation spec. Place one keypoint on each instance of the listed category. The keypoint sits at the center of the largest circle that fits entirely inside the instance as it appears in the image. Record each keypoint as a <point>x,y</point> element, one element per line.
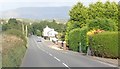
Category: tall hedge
<point>77,36</point>
<point>105,44</point>
<point>83,37</point>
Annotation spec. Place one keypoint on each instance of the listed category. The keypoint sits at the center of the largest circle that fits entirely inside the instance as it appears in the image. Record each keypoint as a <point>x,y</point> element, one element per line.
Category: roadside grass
<point>13,50</point>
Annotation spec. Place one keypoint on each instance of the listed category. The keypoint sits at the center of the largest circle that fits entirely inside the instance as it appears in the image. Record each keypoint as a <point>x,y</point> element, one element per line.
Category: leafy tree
<point>78,15</point>
<point>97,16</point>
<point>40,26</point>
<point>78,18</point>
<point>103,24</point>
<point>107,10</point>
<point>96,10</point>
<point>111,11</point>
<point>12,24</point>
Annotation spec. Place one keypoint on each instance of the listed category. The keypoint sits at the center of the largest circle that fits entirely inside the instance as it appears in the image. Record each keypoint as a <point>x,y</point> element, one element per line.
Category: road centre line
<point>66,65</point>
<point>50,54</point>
<point>67,53</point>
<point>57,59</point>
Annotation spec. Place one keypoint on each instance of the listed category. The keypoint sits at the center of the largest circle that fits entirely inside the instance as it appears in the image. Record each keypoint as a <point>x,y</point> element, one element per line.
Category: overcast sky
<point>12,4</point>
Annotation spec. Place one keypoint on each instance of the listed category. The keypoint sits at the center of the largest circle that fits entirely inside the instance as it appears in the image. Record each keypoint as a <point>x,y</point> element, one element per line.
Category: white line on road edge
<point>57,59</point>
<point>107,64</point>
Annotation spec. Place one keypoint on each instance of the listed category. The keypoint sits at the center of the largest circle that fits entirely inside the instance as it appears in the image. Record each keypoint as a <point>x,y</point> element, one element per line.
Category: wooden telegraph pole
<point>26,32</point>
<point>22,28</point>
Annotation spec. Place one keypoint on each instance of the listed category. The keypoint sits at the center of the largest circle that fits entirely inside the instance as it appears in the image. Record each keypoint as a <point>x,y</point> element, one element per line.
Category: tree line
<point>98,15</point>
<point>37,27</point>
<point>86,22</point>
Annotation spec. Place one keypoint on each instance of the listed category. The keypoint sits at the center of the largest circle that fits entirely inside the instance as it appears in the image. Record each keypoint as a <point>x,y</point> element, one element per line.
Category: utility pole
<point>26,33</point>
<point>23,28</point>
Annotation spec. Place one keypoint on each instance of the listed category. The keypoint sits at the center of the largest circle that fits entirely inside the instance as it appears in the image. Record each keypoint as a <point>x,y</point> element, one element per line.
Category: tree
<point>12,24</point>
<point>103,24</point>
<point>98,15</point>
<point>96,10</point>
<point>107,10</point>
<point>78,18</point>
<point>40,26</point>
<point>78,15</point>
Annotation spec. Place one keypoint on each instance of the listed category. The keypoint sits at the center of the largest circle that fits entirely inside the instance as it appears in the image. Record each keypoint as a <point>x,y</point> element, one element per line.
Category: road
<point>39,54</point>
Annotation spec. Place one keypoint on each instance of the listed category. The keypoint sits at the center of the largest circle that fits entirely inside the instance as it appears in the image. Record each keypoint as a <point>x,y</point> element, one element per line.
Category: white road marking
<point>50,54</point>
<point>57,59</point>
<point>67,52</point>
<point>106,63</point>
<point>65,65</point>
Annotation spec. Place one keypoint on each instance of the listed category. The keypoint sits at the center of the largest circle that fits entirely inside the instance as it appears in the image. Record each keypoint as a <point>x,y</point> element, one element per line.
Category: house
<point>50,33</point>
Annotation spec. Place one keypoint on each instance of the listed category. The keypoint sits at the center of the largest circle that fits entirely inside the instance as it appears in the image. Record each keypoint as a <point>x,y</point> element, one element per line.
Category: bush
<point>74,39</point>
<point>105,44</point>
<point>12,24</point>
<point>17,33</point>
<point>77,36</point>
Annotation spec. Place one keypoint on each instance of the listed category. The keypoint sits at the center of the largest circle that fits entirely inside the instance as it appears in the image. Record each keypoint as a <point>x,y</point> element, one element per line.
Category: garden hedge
<point>75,37</point>
<point>105,44</point>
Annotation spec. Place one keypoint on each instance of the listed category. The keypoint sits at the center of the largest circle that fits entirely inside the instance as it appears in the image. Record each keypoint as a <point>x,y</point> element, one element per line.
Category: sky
<point>13,4</point>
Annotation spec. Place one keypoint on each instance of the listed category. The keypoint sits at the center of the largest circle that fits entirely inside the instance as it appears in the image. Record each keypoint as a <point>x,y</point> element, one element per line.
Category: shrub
<point>105,44</point>
<point>12,24</point>
<point>77,36</point>
<point>17,33</point>
<point>74,39</point>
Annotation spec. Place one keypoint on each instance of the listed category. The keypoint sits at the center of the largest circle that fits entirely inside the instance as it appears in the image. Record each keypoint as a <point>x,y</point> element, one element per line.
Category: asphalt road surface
<point>39,54</point>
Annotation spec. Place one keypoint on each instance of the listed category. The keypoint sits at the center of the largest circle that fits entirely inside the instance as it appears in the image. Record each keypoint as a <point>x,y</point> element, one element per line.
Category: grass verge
<point>13,50</point>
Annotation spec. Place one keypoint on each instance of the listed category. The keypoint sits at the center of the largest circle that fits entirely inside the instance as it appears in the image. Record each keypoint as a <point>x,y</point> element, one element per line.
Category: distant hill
<point>38,13</point>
